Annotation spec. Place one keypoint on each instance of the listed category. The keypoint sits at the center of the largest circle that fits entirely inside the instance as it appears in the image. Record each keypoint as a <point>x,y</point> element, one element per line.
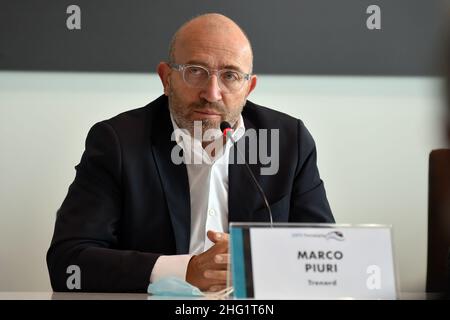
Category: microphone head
<point>226,129</point>
<point>224,125</point>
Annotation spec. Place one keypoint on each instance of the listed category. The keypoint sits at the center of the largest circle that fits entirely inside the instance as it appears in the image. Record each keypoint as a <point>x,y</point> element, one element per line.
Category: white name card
<point>305,261</point>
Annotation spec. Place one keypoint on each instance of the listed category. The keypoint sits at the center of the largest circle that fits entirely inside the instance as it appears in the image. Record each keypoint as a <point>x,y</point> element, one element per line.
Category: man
<point>133,215</point>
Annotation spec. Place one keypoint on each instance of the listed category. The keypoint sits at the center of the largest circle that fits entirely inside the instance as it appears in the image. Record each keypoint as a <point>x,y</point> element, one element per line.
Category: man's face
<point>187,106</point>
<point>209,104</point>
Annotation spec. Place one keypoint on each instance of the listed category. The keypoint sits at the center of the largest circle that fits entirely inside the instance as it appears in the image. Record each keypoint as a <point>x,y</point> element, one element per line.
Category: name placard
<point>312,261</point>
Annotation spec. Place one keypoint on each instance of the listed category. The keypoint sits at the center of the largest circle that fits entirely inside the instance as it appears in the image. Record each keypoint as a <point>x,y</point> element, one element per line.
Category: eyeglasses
<point>198,77</point>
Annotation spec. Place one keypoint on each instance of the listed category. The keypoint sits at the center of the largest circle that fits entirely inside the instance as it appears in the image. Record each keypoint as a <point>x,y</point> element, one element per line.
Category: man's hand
<point>208,270</point>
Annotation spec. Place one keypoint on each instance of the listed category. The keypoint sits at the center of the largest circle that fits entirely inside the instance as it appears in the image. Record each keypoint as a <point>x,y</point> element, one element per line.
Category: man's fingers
<point>211,236</point>
<point>223,236</point>
<point>216,274</point>
<point>217,236</point>
<point>216,288</point>
<point>223,258</point>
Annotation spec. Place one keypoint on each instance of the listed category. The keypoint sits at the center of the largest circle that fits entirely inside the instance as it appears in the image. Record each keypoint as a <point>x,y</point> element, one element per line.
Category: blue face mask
<point>175,287</point>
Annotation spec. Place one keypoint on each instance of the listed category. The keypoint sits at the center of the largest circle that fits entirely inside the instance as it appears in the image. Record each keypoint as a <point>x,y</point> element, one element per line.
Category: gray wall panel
<point>289,37</point>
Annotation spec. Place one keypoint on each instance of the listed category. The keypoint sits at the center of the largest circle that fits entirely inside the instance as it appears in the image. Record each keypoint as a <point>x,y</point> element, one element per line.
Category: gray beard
<point>182,123</point>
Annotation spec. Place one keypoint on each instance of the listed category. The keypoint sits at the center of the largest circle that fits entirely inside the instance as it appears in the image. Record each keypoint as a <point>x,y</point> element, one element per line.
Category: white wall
<point>373,136</point>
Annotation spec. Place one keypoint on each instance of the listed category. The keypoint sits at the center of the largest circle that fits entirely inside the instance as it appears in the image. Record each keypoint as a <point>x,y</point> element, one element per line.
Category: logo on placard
<point>336,235</point>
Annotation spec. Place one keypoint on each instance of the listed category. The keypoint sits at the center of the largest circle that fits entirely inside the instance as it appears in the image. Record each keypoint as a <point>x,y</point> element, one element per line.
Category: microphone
<point>227,131</point>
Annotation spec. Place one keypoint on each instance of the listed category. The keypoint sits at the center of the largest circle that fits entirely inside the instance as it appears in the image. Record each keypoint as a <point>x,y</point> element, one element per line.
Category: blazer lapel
<point>174,179</point>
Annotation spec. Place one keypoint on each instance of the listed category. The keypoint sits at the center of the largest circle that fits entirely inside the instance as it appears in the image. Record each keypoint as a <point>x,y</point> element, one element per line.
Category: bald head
<point>214,43</point>
<point>211,30</point>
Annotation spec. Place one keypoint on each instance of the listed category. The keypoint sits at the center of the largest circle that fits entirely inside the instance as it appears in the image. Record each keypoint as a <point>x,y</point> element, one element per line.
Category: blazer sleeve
<point>87,223</point>
<point>308,201</point>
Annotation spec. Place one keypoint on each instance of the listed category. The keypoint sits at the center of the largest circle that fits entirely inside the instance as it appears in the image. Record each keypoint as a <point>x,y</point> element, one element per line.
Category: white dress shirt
<point>208,187</point>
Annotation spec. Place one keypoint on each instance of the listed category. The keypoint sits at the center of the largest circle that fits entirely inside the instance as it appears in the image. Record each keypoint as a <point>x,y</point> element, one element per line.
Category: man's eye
<point>196,71</point>
<point>230,76</point>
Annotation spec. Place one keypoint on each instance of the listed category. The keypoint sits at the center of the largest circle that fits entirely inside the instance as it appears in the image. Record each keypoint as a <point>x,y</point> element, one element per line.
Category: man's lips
<point>207,113</point>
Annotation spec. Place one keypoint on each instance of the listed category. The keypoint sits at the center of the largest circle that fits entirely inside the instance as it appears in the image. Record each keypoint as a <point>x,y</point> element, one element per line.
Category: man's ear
<point>252,86</point>
<point>163,70</point>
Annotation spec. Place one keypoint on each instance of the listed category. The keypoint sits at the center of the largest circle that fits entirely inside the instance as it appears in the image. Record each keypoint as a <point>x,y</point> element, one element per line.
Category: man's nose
<point>212,91</point>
